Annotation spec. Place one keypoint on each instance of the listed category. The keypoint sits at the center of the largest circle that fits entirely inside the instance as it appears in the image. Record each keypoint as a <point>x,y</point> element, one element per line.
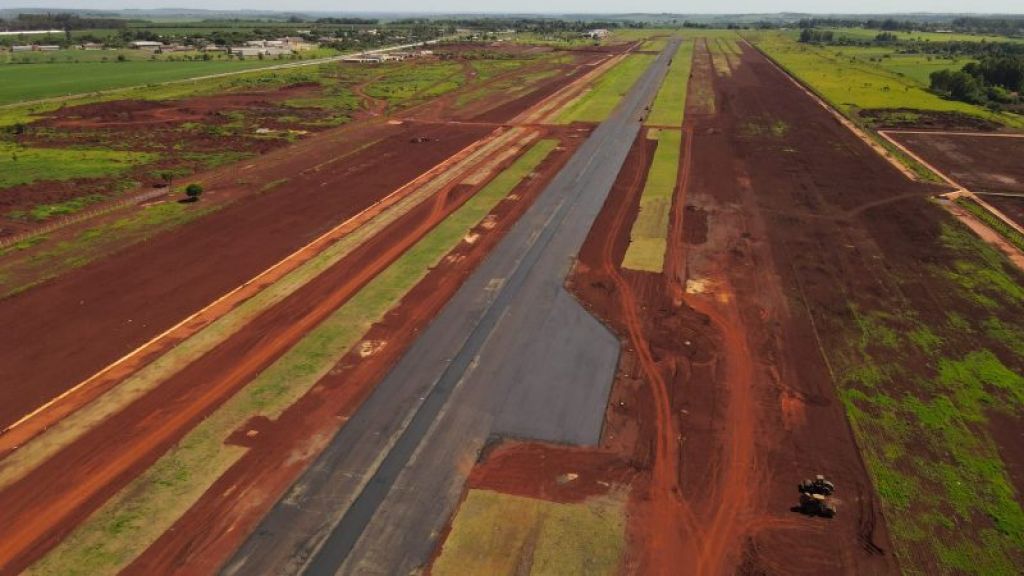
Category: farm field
<point>529,302</point>
<point>23,82</point>
<point>854,84</point>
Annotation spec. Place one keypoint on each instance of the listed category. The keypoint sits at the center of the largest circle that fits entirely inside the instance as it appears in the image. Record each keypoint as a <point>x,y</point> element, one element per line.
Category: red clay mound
<point>550,472</point>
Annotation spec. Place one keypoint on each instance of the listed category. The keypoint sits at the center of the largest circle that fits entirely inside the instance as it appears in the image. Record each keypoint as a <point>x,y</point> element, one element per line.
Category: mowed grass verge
<point>601,99</point>
<point>670,104</point>
<point>496,533</point>
<point>149,505</point>
<point>647,239</point>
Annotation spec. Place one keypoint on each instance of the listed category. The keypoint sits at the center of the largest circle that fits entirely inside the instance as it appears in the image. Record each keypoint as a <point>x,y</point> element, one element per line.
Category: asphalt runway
<point>512,353</point>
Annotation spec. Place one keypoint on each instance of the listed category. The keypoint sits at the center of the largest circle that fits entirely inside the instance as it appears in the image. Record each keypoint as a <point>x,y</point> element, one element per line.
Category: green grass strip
<point>495,533</point>
<point>647,239</point>
<point>670,104</point>
<point>597,104</point>
<point>130,521</point>
<point>992,221</point>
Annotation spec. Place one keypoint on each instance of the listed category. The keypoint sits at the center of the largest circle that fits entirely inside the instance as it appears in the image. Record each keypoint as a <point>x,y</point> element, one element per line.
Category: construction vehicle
<point>817,486</point>
<point>817,505</point>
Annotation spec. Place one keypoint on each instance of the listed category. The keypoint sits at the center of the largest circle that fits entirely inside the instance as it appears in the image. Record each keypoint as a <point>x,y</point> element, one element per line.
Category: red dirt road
<point>740,403</point>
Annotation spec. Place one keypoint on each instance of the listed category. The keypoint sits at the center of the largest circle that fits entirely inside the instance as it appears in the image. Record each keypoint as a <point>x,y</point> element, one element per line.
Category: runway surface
<point>512,354</point>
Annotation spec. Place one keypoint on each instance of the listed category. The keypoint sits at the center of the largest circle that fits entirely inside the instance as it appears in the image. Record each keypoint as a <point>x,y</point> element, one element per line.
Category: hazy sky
<point>549,6</point>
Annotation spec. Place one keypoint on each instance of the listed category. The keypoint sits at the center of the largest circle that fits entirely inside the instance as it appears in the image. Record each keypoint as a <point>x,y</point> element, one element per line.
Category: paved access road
<point>511,354</point>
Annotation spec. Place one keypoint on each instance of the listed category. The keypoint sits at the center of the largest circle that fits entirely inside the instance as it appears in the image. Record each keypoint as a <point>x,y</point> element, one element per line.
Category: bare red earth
<point>728,397</point>
<point>209,532</point>
<point>980,163</point>
<point>62,332</point>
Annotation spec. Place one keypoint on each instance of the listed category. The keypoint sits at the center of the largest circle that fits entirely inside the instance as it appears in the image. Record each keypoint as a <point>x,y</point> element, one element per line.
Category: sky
<point>555,6</point>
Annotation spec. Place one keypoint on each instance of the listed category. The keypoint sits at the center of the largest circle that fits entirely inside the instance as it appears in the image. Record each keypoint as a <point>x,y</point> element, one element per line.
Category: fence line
<point>80,216</point>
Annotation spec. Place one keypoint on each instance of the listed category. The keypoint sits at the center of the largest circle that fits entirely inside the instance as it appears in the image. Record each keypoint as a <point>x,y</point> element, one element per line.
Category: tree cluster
<point>994,81</point>
<point>812,36</point>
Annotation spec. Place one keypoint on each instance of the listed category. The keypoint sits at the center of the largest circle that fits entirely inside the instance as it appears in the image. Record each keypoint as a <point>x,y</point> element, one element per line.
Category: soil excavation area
<point>726,395</point>
<point>322,187</point>
<point>285,199</point>
<point>979,162</point>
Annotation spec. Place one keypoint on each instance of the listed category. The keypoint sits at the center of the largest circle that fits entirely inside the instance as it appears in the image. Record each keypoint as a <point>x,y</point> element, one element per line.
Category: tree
<point>167,176</point>
<point>194,191</point>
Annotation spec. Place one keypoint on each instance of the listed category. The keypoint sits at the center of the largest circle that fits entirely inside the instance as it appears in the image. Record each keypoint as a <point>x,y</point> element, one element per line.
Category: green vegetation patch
<point>152,502</point>
<point>992,221</point>
<point>403,83</point>
<point>919,394</point>
<point>670,104</point>
<point>501,534</point>
<point>36,81</point>
<point>602,98</point>
<point>90,244</point>
<point>648,238</point>
<point>842,77</point>
<point>20,165</point>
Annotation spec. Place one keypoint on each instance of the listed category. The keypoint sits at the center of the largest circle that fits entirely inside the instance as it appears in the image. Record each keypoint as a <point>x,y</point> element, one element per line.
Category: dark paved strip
<point>511,352</point>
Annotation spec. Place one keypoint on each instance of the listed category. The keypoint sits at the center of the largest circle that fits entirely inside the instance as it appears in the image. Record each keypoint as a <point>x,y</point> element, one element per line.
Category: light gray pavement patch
<point>511,347</point>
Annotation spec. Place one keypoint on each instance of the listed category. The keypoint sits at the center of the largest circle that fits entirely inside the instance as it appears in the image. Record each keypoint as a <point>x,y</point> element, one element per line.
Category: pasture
<point>850,83</point>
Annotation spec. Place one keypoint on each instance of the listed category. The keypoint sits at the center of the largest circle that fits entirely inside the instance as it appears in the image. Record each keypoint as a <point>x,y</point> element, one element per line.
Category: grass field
<point>153,501</point>
<point>647,239</point>
<point>501,534</point>
<point>19,165</point>
<point>851,83</point>
<point>597,104</point>
<point>36,81</point>
<point>670,104</point>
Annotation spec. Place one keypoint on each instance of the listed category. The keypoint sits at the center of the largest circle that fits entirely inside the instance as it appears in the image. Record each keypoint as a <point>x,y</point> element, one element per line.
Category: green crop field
<point>670,104</point>
<point>597,104</point>
<point>648,238</point>
<point>850,83</point>
<point>36,81</point>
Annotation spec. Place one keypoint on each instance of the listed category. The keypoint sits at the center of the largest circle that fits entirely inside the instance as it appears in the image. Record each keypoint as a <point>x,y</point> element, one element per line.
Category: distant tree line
<point>60,21</point>
<point>994,81</point>
<point>812,36</point>
<point>1002,26</point>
